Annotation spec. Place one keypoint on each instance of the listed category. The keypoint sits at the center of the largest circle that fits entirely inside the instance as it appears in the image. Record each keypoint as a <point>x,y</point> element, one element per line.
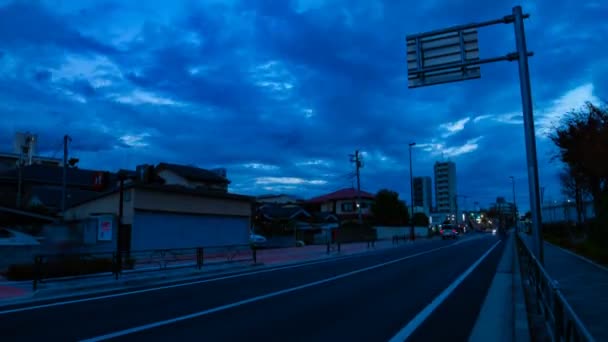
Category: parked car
<point>257,240</point>
<point>448,232</point>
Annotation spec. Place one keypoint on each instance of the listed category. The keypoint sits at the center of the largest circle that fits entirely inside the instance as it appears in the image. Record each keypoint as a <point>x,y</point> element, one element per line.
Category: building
<point>445,187</point>
<point>25,153</point>
<point>175,207</point>
<point>423,193</point>
<point>503,207</point>
<point>191,177</point>
<point>40,185</point>
<point>280,199</point>
<point>342,203</point>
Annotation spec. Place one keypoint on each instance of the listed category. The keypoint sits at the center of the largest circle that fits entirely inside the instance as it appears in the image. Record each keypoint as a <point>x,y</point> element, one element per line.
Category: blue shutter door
<point>155,230</point>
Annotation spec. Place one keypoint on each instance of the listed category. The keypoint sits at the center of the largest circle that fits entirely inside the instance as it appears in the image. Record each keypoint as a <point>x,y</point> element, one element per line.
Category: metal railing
<point>70,265</point>
<point>563,323</point>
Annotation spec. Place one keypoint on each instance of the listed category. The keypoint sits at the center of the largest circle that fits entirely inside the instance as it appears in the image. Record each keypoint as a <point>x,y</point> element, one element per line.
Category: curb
<point>603,268</point>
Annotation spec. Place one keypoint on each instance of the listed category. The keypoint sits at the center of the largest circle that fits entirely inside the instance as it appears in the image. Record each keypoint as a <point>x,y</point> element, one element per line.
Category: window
<point>364,205</point>
<point>347,207</point>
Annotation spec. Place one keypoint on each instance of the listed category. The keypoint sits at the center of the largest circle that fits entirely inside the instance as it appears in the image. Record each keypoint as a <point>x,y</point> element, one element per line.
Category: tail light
<point>441,231</point>
<point>454,231</point>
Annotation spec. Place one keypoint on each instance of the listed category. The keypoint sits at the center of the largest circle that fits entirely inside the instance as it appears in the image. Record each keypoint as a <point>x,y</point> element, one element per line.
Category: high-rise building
<point>445,187</point>
<point>423,193</point>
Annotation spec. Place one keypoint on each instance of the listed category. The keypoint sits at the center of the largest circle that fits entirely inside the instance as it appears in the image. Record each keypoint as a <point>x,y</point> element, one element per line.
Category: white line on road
<point>407,330</point>
<point>259,298</point>
<point>232,276</point>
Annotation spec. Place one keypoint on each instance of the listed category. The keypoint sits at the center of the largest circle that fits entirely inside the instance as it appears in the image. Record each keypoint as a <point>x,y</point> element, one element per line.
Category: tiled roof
<point>277,211</point>
<point>192,173</point>
<point>348,193</point>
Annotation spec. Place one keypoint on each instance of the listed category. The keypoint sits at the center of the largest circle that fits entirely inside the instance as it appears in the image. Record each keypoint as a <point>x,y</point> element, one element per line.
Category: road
<point>426,292</point>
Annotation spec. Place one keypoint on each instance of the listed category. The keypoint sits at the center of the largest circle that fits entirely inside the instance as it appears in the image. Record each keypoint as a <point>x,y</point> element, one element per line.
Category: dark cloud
<point>279,84</point>
<point>29,23</point>
<point>42,75</point>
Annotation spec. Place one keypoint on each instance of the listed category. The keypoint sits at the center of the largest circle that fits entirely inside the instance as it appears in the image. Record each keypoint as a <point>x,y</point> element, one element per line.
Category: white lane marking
<point>257,298</point>
<point>208,280</point>
<point>407,330</point>
<point>203,281</point>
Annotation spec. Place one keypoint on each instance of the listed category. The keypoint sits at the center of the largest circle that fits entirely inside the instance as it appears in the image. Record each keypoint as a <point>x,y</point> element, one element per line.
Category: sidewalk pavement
<point>18,291</point>
<point>503,315</point>
<point>583,284</point>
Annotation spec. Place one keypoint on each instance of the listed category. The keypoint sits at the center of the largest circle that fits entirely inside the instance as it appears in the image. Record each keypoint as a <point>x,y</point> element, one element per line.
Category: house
<point>342,203</point>
<point>281,198</point>
<point>193,177</point>
<point>41,185</point>
<point>180,207</point>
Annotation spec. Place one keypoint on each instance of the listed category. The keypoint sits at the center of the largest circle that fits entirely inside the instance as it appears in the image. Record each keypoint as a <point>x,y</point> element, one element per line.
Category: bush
<point>64,267</point>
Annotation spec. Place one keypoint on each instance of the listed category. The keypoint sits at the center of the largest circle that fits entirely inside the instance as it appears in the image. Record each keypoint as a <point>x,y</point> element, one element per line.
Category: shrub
<point>63,267</point>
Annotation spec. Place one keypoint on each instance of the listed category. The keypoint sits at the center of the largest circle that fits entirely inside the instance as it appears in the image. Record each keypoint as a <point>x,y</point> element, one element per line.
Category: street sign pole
<point>526,98</point>
<point>452,55</point>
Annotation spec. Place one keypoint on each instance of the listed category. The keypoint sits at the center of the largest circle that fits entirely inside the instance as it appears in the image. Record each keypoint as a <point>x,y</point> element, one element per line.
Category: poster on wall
<point>104,228</point>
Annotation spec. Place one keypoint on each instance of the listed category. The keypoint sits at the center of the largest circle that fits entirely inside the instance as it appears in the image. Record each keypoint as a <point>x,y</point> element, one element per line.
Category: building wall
<point>104,205</point>
<point>565,212</point>
<point>365,206</point>
<point>181,203</point>
<point>423,192</point>
<point>445,186</point>
<point>173,179</point>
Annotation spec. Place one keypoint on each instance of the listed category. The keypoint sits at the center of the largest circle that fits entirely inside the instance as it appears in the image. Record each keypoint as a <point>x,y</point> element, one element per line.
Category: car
<point>448,232</point>
<point>257,239</point>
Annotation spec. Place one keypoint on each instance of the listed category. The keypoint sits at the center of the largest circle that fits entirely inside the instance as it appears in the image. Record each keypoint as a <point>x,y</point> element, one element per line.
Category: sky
<point>280,93</point>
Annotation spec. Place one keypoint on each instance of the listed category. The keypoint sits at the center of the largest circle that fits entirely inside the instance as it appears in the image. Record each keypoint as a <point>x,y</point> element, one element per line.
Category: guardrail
<point>70,265</point>
<point>564,324</point>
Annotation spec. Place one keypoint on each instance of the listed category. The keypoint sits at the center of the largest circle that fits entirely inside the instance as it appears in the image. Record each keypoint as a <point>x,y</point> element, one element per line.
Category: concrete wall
<point>384,233</point>
<point>104,205</point>
<point>181,203</point>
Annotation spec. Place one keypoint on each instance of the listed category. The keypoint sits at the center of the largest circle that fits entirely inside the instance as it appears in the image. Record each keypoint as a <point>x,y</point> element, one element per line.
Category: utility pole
<point>25,150</point>
<point>412,228</point>
<point>356,158</point>
<point>66,140</point>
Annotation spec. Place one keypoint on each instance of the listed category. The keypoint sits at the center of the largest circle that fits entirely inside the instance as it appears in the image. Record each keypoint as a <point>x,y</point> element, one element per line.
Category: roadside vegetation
<point>582,142</point>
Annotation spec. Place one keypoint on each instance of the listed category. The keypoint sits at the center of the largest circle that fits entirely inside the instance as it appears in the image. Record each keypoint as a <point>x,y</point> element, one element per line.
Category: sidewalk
<point>584,285</point>
<point>13,291</point>
<point>503,314</point>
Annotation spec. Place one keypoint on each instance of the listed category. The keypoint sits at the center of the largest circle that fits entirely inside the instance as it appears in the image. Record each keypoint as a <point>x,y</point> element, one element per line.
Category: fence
<point>563,323</point>
<point>57,266</point>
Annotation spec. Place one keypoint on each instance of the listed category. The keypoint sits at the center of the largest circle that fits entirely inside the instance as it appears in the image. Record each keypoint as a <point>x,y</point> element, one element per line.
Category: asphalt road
<point>368,297</point>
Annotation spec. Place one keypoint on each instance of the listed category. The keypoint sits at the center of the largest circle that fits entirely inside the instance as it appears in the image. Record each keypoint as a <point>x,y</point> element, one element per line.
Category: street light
<point>412,234</point>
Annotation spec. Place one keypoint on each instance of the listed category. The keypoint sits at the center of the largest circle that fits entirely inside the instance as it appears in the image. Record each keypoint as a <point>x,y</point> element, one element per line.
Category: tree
<point>388,210</point>
<point>573,187</point>
<point>420,219</point>
<point>582,140</point>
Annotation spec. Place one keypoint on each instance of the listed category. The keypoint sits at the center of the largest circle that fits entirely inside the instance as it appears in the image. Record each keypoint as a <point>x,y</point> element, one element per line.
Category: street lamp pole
<point>514,203</point>
<point>412,233</point>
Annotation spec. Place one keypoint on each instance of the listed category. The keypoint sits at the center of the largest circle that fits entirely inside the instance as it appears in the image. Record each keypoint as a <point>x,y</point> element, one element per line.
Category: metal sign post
<point>452,55</point>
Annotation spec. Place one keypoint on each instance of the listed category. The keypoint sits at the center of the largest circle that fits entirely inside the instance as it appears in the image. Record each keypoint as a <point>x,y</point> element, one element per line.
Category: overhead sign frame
<point>442,58</point>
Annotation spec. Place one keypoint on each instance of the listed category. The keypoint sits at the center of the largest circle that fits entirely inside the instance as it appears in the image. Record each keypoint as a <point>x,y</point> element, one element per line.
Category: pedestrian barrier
<point>562,322</point>
<point>69,265</point>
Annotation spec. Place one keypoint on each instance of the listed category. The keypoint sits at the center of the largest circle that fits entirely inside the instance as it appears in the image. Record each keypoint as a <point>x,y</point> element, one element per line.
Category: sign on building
<point>442,58</point>
<point>104,228</point>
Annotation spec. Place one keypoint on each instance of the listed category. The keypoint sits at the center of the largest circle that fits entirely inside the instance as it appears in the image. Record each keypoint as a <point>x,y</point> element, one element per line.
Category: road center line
<point>259,298</point>
<point>407,330</point>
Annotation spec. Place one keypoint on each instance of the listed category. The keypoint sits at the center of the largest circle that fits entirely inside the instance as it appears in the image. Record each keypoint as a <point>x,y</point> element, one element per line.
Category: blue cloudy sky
<point>280,92</point>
